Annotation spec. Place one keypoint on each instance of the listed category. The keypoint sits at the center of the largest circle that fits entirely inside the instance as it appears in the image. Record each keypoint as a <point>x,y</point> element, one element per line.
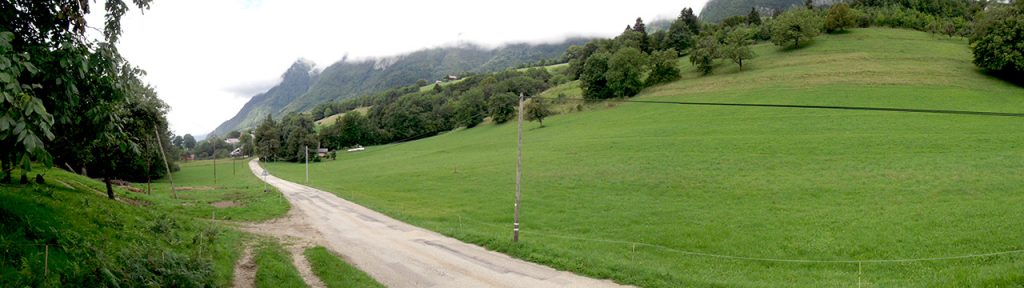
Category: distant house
<point>232,141</point>
<point>323,152</point>
<point>188,157</point>
<point>237,152</point>
<point>452,78</point>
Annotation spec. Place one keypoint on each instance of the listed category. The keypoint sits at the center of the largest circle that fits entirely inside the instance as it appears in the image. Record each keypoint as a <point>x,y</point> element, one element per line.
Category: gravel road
<point>401,255</point>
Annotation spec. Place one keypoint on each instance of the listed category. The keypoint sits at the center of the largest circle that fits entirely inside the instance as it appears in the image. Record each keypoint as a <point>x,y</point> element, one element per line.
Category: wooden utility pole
<point>519,170</point>
<point>214,153</point>
<point>307,163</point>
<point>168,167</point>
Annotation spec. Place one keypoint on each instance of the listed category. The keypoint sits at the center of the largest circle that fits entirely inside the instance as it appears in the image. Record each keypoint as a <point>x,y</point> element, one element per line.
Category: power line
<point>884,109</point>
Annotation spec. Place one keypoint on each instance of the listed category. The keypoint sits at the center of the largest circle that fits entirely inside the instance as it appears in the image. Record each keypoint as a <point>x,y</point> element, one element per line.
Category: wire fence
<point>797,106</point>
<point>758,259</point>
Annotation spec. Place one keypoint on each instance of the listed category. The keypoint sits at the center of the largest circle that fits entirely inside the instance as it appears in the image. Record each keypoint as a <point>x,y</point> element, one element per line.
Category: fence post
<point>46,261</point>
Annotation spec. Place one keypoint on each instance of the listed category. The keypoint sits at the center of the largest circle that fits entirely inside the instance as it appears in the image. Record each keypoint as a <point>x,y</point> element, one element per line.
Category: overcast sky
<point>207,58</point>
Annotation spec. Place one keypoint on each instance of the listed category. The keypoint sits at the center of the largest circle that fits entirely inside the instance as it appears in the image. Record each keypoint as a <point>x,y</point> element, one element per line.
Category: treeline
<point>405,113</point>
<point>74,102</point>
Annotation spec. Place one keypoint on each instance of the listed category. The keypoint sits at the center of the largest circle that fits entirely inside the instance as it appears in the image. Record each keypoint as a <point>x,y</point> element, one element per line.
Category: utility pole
<point>307,163</point>
<point>162,155</point>
<point>214,153</point>
<point>519,170</point>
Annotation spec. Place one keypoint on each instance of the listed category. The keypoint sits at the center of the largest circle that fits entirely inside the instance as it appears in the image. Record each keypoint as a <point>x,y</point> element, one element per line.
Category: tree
<point>998,40</point>
<point>839,18</point>
<point>754,18</point>
<point>189,142</point>
<point>470,109</point>
<point>795,25</point>
<point>421,83</point>
<point>268,141</point>
<point>537,109</point>
<point>737,46</point>
<point>645,41</point>
<point>298,134</point>
<point>704,54</point>
<point>50,70</point>
<point>247,144</point>
<point>592,78</point>
<point>663,67</point>
<point>234,134</point>
<point>682,31</point>
<point>178,141</point>
<point>625,68</point>
<point>503,107</point>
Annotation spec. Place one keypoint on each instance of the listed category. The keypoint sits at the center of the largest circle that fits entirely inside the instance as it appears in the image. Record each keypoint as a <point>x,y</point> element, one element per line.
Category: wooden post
<point>46,261</point>
<point>307,164</point>
<point>519,170</point>
<point>168,167</point>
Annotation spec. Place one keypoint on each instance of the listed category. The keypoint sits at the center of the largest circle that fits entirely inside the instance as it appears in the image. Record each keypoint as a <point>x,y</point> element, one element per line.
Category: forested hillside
<point>346,79</point>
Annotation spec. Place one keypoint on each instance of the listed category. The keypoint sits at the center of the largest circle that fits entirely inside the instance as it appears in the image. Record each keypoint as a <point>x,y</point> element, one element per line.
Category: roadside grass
<point>94,241</point>
<point>627,193</point>
<point>237,191</point>
<point>335,272</point>
<point>274,268</point>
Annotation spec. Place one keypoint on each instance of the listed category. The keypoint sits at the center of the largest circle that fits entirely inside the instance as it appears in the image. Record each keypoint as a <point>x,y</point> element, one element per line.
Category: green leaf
<point>6,123</point>
<point>5,78</point>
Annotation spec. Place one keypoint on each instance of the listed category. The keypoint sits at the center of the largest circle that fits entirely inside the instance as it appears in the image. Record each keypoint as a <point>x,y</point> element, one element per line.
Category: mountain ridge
<point>351,78</point>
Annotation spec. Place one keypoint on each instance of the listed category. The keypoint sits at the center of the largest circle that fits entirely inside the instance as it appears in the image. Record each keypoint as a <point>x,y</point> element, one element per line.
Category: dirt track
<point>401,255</point>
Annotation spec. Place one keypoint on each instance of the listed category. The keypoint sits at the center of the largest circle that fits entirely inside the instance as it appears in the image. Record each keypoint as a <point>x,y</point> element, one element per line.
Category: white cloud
<point>202,55</point>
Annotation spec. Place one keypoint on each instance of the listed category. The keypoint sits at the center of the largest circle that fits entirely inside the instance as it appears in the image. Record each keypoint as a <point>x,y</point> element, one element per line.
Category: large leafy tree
<point>737,45</point>
<point>50,71</point>
<point>682,31</point>
<point>625,69</point>
<point>663,67</point>
<point>592,78</point>
<point>268,140</point>
<point>998,40</point>
<point>704,54</point>
<point>794,26</point>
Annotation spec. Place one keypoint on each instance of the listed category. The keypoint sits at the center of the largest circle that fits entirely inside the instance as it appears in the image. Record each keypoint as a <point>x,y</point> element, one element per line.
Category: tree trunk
<point>110,189</point>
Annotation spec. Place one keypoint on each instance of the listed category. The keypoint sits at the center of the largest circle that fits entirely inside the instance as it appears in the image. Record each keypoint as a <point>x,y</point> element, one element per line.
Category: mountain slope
<point>294,82</point>
<point>717,10</point>
<point>346,79</point>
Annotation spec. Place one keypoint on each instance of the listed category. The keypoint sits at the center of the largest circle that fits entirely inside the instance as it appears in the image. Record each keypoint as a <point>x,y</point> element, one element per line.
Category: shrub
<point>663,67</point>
<point>998,41</point>
<point>839,18</point>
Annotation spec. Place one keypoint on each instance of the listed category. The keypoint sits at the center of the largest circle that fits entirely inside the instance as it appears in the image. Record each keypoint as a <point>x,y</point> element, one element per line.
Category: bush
<point>839,18</point>
<point>998,41</point>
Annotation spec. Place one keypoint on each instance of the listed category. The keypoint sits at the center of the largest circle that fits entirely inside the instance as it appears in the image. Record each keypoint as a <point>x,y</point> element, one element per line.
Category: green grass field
<point>335,272</point>
<point>236,194</point>
<point>627,192</point>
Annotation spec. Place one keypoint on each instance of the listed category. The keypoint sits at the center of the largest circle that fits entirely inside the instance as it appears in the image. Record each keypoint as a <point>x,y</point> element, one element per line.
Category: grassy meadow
<point>236,194</point>
<point>631,191</point>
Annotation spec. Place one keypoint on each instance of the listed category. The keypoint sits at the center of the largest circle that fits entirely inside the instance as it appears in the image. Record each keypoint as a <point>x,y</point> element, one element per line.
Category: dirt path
<point>293,232</point>
<point>245,269</point>
<point>401,255</point>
